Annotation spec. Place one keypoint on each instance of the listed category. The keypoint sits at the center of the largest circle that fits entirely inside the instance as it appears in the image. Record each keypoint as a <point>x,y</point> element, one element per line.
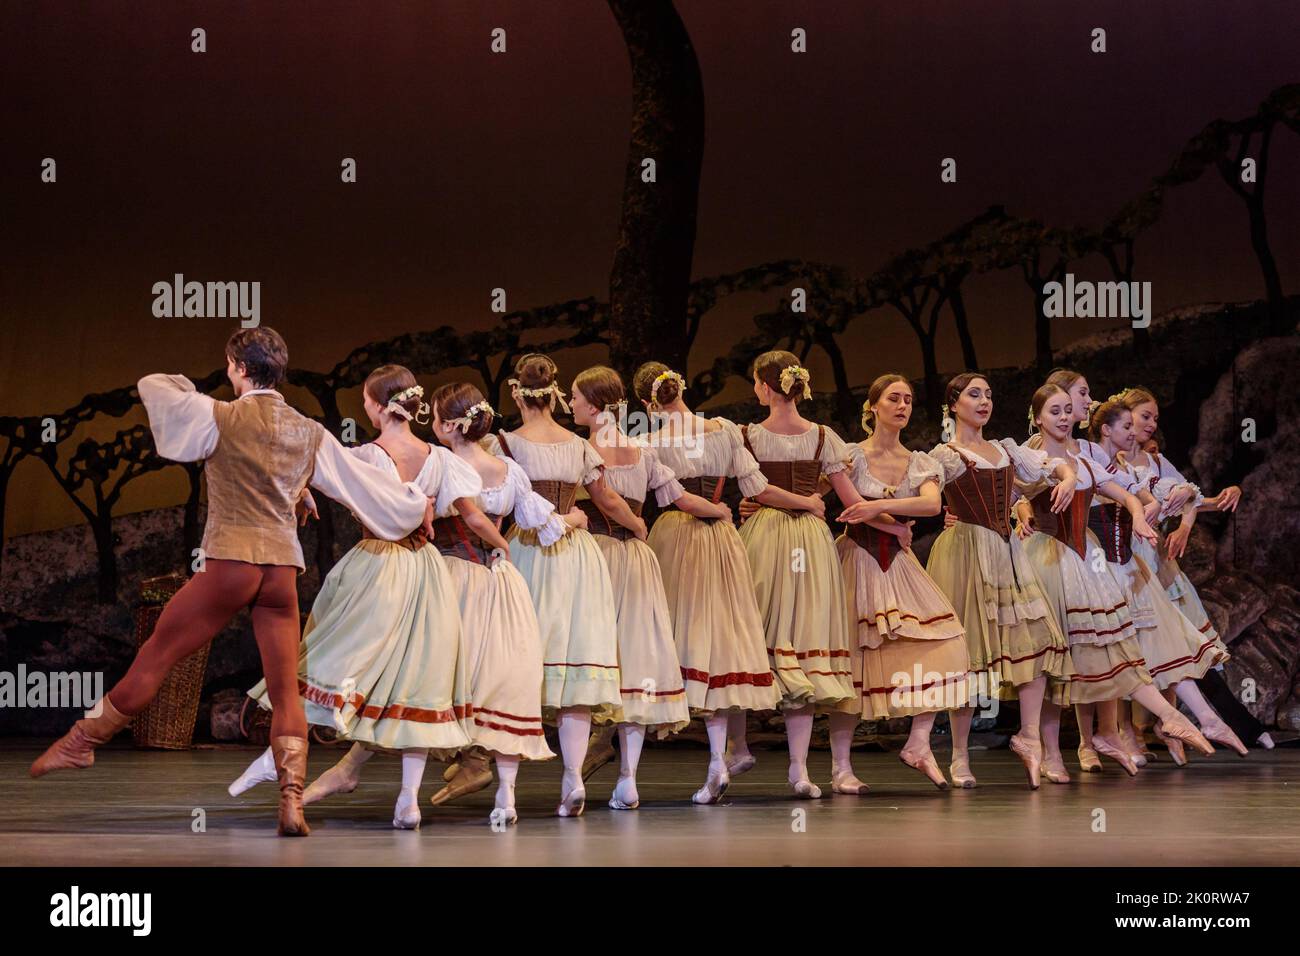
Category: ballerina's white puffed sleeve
<point>1168,480</point>
<point>1033,465</point>
<point>179,416</point>
<point>660,479</point>
<point>389,507</point>
<point>835,453</point>
<point>920,469</point>
<point>593,466</point>
<point>532,512</point>
<point>948,459</point>
<point>450,478</point>
<point>743,466</point>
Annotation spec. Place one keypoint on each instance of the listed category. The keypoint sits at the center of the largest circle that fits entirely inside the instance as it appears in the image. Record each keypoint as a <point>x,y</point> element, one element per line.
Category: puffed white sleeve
<point>661,479</point>
<point>744,467</point>
<point>922,468</point>
<point>1171,479</point>
<point>533,512</point>
<point>492,445</point>
<point>835,453</point>
<point>180,417</point>
<point>952,464</point>
<point>390,508</point>
<point>593,466</point>
<point>1033,465</point>
<point>457,480</point>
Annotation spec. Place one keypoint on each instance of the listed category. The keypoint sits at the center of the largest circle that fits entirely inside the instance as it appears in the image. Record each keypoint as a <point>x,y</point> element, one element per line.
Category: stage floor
<point>140,807</point>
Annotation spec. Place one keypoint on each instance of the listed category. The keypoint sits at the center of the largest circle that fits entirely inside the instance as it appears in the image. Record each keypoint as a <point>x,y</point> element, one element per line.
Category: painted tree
<point>650,278</point>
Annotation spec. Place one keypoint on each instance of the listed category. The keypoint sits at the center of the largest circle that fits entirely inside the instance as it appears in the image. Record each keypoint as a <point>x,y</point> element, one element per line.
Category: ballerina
<point>909,655</point>
<point>380,656</point>
<point>797,581</point>
<point>259,456</point>
<point>1180,498</point>
<point>568,580</point>
<point>1014,642</point>
<point>1090,607</point>
<point>1175,651</point>
<point>716,625</point>
<point>653,692</point>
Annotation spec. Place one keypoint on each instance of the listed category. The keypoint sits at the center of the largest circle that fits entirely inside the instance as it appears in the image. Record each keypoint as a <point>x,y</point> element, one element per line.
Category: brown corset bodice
<point>981,496</point>
<point>1068,528</point>
<point>798,477</point>
<point>412,542</point>
<point>453,538</point>
<point>1113,526</point>
<point>562,494</point>
<point>881,545</point>
<point>599,523</point>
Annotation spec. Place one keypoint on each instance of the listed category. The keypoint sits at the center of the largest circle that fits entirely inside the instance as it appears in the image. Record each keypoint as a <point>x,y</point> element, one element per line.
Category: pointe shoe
<point>625,796</point>
<point>343,777</point>
<point>926,765</point>
<point>1265,741</point>
<point>406,815</point>
<point>805,789</point>
<point>846,782</point>
<point>1030,753</point>
<point>261,770</point>
<point>959,771</point>
<point>1221,733</point>
<point>290,755</point>
<point>449,773</point>
<point>1115,752</point>
<point>1131,748</point>
<point>573,802</point>
<point>739,765</point>
<point>1054,770</point>
<point>715,785</point>
<point>1180,728</point>
<point>502,817</point>
<point>1143,745</point>
<point>600,751</point>
<point>472,775</point>
<point>1089,762</point>
<point>75,750</point>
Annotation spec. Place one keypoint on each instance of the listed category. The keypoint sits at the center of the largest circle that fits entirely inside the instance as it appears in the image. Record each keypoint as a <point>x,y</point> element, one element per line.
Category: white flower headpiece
<point>466,421</point>
<point>795,373</point>
<point>553,390</point>
<point>394,405</point>
<point>668,375</point>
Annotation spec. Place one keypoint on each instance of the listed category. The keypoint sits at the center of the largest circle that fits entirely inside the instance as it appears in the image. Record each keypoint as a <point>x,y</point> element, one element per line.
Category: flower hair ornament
<point>795,373</point>
<point>466,421</point>
<point>395,400</point>
<point>668,375</point>
<point>553,390</point>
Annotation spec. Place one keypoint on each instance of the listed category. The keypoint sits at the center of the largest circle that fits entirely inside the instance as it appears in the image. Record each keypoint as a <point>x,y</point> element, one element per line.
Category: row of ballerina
<point>464,644</point>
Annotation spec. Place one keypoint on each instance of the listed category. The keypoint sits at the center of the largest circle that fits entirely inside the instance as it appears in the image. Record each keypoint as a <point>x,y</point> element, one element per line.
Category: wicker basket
<point>168,722</point>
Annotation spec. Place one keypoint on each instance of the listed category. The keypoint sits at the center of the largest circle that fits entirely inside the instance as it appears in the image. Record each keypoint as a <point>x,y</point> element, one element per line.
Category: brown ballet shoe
<point>471,777</point>
<point>1180,728</point>
<point>1221,733</point>
<point>75,750</point>
<point>1116,753</point>
<point>959,770</point>
<point>290,755</point>
<point>1054,770</point>
<point>1089,762</point>
<point>926,765</point>
<point>600,750</point>
<point>1030,753</point>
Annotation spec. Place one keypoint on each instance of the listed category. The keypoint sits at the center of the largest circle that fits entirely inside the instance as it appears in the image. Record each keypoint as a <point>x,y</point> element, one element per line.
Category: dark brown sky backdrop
<point>479,170</point>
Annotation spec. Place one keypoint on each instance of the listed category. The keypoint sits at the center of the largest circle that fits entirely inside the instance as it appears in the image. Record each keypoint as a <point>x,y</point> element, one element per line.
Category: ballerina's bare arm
<point>481,524</point>
<point>611,504</point>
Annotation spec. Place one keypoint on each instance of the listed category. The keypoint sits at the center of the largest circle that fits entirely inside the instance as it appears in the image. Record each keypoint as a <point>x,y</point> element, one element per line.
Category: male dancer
<point>259,455</point>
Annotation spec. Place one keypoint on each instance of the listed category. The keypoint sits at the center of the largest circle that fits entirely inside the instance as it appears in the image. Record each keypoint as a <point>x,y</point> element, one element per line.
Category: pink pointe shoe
<point>959,770</point>
<point>1221,733</point>
<point>1089,762</point>
<point>925,764</point>
<point>1112,749</point>
<point>1054,770</point>
<point>1131,747</point>
<point>1180,728</point>
<point>846,782</point>
<point>1030,753</point>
